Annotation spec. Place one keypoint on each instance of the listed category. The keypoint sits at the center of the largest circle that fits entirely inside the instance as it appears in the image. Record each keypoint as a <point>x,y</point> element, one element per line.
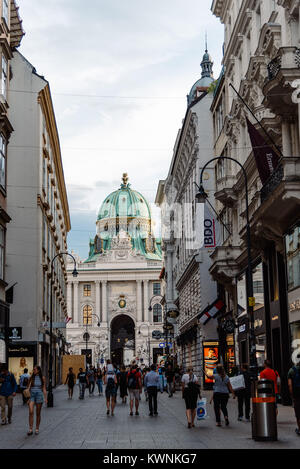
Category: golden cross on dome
<point>125,179</point>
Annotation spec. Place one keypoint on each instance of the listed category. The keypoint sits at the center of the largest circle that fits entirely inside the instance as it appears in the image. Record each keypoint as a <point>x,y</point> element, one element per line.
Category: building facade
<point>261,60</point>
<point>11,33</point>
<point>188,284</point>
<point>115,302</point>
<point>37,201</point>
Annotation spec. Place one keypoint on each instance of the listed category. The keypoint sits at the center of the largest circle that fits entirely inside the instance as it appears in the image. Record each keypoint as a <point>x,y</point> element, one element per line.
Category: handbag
<point>26,393</point>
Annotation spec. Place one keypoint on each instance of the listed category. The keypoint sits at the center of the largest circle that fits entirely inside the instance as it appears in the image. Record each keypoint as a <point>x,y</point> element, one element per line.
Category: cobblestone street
<point>75,424</point>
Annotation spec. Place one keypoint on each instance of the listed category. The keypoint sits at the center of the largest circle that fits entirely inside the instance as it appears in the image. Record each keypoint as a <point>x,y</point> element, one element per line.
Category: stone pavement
<point>75,424</point>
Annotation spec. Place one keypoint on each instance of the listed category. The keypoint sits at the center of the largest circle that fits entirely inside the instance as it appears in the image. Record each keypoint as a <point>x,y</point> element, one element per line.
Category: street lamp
<point>87,335</point>
<point>170,311</point>
<point>201,198</point>
<point>75,274</point>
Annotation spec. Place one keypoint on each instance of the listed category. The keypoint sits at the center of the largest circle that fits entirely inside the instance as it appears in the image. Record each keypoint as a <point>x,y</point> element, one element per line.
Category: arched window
<point>157,313</point>
<point>87,315</point>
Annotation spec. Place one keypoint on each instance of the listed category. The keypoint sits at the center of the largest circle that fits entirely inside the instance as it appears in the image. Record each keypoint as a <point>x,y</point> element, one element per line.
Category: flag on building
<point>67,319</point>
<point>211,311</point>
<point>208,229</point>
<point>267,159</point>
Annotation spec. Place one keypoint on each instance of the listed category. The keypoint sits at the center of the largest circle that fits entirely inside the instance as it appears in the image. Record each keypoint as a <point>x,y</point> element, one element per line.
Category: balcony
<point>280,196</point>
<point>225,267</point>
<point>278,89</point>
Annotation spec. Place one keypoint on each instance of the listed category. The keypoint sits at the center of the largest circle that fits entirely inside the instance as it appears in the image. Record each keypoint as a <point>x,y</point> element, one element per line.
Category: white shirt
<point>186,379</point>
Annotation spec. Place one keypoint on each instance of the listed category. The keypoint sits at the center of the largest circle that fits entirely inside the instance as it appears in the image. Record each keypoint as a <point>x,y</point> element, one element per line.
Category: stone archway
<point>122,345</point>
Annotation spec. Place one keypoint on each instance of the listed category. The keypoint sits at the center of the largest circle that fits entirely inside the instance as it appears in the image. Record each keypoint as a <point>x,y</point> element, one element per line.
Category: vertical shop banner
<point>210,360</point>
<point>208,230</point>
<point>266,158</point>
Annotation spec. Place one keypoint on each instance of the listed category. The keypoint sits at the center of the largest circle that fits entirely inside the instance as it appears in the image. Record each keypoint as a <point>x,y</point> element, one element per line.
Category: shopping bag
<point>237,382</point>
<point>201,409</point>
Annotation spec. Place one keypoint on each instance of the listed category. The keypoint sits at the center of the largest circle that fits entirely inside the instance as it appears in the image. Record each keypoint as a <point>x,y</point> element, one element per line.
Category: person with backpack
<point>24,381</point>
<point>123,384</point>
<point>38,395</point>
<point>134,384</point>
<point>8,389</point>
<point>110,380</point>
<point>294,388</point>
<point>99,378</point>
<point>222,388</point>
<point>70,381</point>
<point>190,393</point>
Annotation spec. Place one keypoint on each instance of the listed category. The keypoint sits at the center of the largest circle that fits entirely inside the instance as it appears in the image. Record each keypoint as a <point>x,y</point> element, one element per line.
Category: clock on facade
<point>122,304</point>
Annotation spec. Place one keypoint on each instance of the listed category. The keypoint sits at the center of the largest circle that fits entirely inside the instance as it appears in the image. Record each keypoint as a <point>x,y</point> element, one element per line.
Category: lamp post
<point>87,335</point>
<point>201,197</point>
<point>75,274</point>
<point>172,312</point>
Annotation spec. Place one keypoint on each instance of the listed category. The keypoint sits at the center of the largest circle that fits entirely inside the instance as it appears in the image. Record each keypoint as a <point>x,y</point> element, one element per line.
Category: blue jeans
<point>100,387</point>
<point>82,387</point>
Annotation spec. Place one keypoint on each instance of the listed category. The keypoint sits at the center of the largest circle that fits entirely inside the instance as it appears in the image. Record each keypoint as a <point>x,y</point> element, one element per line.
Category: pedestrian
<point>170,376</point>
<point>294,388</point>
<point>117,371</point>
<point>222,387</point>
<point>83,382</point>
<point>151,382</point>
<point>134,383</point>
<point>24,381</point>
<point>99,378</point>
<point>145,371</point>
<point>8,389</point>
<point>38,395</point>
<point>272,375</point>
<point>91,380</point>
<point>70,381</point>
<point>123,384</point>
<point>161,379</point>
<point>244,395</point>
<point>110,380</point>
<point>190,393</point>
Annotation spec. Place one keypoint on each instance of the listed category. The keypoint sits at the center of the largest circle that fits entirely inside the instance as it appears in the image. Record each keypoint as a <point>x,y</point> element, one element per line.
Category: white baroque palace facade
<point>116,298</point>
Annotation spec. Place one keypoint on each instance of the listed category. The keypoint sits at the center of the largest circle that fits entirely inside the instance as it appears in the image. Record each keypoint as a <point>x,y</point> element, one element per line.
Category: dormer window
<point>5,10</point>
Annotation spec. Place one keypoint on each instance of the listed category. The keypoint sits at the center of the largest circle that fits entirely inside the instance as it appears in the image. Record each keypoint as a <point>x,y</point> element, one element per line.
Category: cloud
<point>128,48</point>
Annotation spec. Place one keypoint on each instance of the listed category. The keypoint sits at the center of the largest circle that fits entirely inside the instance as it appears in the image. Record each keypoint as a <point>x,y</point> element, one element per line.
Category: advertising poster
<point>17,365</point>
<point>210,360</point>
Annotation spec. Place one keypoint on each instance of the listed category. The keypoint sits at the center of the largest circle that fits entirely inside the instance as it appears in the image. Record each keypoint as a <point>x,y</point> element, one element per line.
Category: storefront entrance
<point>122,340</point>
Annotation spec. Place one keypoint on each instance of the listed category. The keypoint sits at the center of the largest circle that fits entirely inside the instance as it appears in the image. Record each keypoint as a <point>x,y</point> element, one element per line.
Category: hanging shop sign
<point>210,360</point>
<point>15,333</point>
<point>156,335</point>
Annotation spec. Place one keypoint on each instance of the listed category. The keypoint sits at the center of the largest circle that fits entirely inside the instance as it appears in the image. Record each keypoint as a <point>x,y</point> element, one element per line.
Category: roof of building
<point>205,81</point>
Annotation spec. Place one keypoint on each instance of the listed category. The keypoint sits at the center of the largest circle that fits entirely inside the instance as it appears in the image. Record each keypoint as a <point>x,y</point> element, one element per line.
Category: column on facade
<point>75,302</point>
<point>146,300</point>
<point>286,139</point>
<point>139,300</point>
<point>97,294</point>
<point>104,301</point>
<point>69,301</point>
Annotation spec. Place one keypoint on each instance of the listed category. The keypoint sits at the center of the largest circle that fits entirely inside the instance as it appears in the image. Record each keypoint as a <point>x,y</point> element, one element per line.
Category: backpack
<point>110,385</point>
<point>25,382</point>
<point>132,381</point>
<point>296,382</point>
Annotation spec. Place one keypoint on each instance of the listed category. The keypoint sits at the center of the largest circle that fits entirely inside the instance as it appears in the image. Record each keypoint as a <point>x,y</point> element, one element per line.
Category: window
<point>87,290</point>
<point>157,313</point>
<point>87,315</point>
<point>2,237</point>
<point>5,10</point>
<point>156,289</point>
<point>4,76</point>
<point>2,161</point>
<point>293,258</point>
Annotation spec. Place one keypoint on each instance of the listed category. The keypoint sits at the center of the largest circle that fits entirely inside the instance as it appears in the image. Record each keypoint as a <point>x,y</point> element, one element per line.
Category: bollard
<point>264,418</point>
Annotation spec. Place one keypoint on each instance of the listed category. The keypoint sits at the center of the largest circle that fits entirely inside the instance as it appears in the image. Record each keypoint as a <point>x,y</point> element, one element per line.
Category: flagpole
<point>259,123</point>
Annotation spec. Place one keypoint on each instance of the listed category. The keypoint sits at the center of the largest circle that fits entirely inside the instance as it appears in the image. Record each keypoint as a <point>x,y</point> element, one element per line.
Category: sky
<point>119,72</point>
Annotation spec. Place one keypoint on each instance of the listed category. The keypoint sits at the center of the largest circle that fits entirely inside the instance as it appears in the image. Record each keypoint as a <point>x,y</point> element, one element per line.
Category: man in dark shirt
<point>170,375</point>
<point>8,389</point>
<point>244,395</point>
<point>83,382</point>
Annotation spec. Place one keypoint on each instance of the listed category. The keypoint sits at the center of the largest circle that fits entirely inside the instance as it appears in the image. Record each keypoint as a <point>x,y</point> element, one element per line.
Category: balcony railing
<point>274,68</point>
<point>288,58</point>
<point>272,183</point>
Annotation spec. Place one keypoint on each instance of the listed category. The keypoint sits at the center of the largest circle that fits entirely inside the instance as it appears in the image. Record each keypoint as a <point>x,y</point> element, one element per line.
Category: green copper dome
<point>125,215</point>
<point>124,202</point>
